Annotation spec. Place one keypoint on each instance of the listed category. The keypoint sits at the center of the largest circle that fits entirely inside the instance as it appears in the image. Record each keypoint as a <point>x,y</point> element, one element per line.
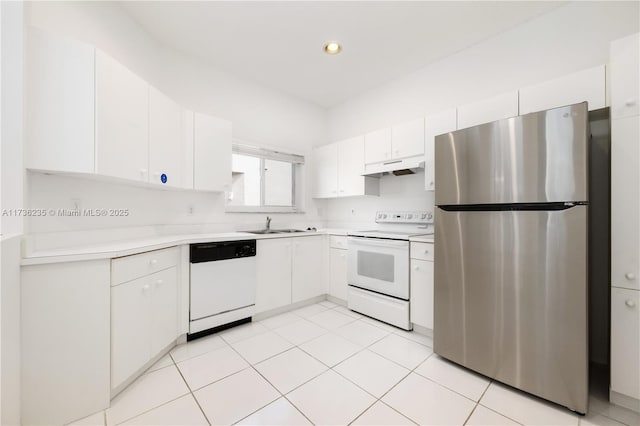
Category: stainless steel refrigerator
<point>511,237</point>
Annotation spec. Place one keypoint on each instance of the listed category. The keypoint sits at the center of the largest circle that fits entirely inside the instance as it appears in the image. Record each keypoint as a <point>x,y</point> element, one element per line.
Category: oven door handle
<point>377,242</point>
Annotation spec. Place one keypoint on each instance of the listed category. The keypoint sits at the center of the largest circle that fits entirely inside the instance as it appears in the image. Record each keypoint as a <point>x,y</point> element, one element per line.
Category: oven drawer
<point>381,307</point>
<point>421,251</point>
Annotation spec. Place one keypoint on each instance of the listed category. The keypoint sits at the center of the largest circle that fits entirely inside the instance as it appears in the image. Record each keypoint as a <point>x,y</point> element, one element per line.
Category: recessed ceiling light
<point>332,48</point>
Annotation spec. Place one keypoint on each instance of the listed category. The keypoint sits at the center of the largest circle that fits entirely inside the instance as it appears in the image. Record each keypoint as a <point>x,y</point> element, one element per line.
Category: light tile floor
<point>323,364</point>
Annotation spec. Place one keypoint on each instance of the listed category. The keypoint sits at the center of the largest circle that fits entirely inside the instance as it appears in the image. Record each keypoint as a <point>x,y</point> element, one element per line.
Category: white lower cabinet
<point>273,266</point>
<point>421,306</point>
<point>307,268</point>
<point>144,313</point>
<point>289,270</point>
<point>338,282</point>
<point>65,341</point>
<point>625,347</point>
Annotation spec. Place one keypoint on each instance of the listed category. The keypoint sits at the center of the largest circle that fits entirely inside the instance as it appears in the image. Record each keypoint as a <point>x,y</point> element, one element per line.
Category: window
<point>264,180</point>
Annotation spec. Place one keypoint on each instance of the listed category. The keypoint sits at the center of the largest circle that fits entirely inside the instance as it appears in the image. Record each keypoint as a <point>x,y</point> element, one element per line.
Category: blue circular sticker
<point>163,178</point>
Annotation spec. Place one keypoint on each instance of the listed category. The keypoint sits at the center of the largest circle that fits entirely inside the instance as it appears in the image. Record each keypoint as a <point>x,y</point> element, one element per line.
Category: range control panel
<point>404,217</point>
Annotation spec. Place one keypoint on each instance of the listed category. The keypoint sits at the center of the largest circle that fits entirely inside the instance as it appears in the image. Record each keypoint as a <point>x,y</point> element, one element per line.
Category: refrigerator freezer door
<point>534,158</point>
<point>511,298</point>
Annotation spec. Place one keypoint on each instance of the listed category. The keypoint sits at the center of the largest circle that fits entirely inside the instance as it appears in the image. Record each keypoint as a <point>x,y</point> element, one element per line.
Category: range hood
<point>404,166</point>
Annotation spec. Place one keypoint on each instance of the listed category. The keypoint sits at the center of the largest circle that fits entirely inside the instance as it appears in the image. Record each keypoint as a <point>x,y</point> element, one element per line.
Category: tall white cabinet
<point>625,226</point>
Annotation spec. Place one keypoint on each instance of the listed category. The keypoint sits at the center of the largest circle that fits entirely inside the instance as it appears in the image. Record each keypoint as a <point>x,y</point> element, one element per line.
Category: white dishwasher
<point>223,285</point>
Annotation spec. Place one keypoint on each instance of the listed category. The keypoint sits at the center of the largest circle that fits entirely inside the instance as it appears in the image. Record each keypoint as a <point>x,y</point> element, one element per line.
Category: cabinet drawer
<point>339,242</point>
<point>128,268</point>
<point>422,251</point>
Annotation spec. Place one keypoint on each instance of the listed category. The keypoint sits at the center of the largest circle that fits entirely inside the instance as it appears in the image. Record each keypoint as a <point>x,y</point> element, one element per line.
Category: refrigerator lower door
<point>511,298</point>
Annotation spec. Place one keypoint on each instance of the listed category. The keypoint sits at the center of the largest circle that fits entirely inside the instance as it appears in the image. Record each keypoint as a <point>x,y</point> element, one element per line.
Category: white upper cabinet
<point>399,141</point>
<point>59,104</point>
<point>122,120</point>
<point>435,124</point>
<point>488,110</point>
<point>407,139</point>
<point>587,85</point>
<point>326,171</point>
<point>211,153</point>
<point>625,87</point>
<point>166,120</point>
<point>338,170</point>
<point>351,166</point>
<point>377,146</point>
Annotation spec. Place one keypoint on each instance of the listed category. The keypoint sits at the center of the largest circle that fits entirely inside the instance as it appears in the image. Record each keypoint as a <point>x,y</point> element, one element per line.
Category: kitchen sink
<point>274,231</point>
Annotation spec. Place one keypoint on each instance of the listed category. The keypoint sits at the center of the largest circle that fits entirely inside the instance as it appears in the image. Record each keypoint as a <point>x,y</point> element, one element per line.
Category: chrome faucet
<point>268,223</point>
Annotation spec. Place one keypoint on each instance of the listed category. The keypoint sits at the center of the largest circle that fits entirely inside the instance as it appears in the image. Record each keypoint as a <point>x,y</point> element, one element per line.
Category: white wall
<point>259,115</point>
<point>565,40</point>
<point>11,179</point>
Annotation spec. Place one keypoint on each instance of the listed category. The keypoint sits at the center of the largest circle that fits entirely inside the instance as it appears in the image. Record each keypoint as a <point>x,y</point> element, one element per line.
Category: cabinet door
<point>338,273</point>
<point>407,139</point>
<point>587,85</point>
<point>164,309</point>
<point>122,121</point>
<point>421,309</point>
<point>625,335</point>
<point>165,139</point>
<point>434,125</point>
<point>351,167</point>
<point>212,153</point>
<point>65,341</point>
<point>60,104</point>
<point>625,76</point>
<point>625,202</point>
<point>307,270</point>
<point>377,146</point>
<point>326,171</point>
<point>488,110</point>
<point>273,266</point>
<point>130,325</point>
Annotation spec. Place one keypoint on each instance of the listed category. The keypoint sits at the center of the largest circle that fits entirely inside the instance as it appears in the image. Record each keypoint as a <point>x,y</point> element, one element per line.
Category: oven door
<point>379,265</point>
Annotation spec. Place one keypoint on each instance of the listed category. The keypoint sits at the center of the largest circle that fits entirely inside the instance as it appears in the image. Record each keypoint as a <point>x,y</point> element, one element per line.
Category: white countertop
<point>134,246</point>
<point>422,238</point>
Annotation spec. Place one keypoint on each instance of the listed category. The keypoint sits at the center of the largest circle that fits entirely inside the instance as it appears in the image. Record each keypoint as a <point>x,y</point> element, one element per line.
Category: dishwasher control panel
<point>224,250</point>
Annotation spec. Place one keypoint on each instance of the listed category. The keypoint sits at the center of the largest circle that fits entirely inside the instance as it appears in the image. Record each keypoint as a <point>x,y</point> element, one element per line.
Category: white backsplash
<point>397,193</point>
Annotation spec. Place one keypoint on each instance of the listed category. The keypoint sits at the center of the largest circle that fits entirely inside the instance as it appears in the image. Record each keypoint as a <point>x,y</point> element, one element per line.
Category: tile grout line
<point>190,390</point>
<point>271,384</point>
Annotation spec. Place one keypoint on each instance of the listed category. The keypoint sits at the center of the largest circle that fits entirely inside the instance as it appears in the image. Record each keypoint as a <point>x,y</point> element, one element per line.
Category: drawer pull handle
<point>630,303</point>
<point>416,268</point>
<point>630,276</point>
<point>153,262</point>
<point>145,288</point>
<point>630,102</point>
<point>159,282</point>
<point>426,252</point>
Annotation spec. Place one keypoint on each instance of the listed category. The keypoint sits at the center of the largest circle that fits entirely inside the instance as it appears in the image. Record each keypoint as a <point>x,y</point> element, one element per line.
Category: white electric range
<point>378,266</point>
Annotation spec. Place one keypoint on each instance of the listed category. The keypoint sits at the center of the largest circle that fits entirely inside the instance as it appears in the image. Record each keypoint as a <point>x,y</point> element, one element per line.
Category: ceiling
<point>279,44</point>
